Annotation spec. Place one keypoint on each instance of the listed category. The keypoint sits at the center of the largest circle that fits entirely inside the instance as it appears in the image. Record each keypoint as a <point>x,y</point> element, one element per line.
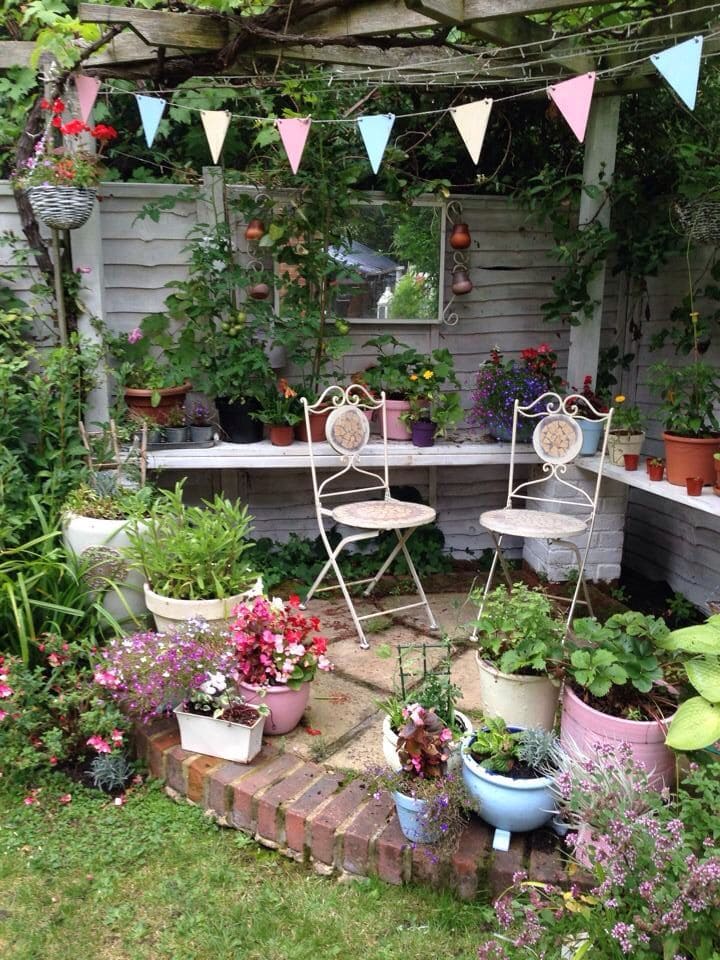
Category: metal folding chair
<point>347,431</point>
<point>561,509</point>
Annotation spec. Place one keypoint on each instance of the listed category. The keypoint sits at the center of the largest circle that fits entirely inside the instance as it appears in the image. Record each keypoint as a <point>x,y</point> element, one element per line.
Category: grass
<point>157,879</point>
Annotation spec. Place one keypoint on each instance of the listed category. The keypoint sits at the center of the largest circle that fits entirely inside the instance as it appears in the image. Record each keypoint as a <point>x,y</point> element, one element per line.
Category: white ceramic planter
<point>390,739</point>
<point>618,444</point>
<point>521,701</point>
<point>220,738</point>
<point>100,543</point>
<point>514,805</point>
<point>169,614</point>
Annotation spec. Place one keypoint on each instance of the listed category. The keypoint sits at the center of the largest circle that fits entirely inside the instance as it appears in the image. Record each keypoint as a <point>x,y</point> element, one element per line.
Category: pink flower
<point>119,801</point>
<point>5,690</point>
<point>83,269</point>
<point>52,761</point>
<point>117,737</point>
<point>30,800</point>
<point>65,798</point>
<point>106,678</point>
<point>445,735</point>
<point>135,335</point>
<point>97,743</point>
<point>3,714</point>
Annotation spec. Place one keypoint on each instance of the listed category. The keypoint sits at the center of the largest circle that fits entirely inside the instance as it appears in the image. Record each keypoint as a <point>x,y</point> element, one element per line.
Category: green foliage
<point>499,749</point>
<point>518,631</point>
<point>119,503</point>
<point>413,297</point>
<point>697,721</point>
<point>689,394</point>
<point>194,553</point>
<point>627,649</point>
<point>110,771</point>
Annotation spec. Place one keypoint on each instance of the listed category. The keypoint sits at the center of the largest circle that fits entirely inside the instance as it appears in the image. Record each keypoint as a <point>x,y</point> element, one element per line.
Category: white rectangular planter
<point>219,738</point>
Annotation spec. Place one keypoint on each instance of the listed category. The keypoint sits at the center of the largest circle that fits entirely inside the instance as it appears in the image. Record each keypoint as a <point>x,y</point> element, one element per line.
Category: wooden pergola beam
<point>188,31</point>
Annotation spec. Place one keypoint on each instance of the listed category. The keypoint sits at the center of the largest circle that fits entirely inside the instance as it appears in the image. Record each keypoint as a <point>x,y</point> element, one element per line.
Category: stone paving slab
<point>364,751</point>
<point>337,705</point>
<point>464,673</point>
<point>453,612</point>
<point>335,620</point>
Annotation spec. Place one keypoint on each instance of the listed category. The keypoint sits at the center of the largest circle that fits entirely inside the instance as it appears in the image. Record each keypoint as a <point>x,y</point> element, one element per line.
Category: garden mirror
<point>391,264</point>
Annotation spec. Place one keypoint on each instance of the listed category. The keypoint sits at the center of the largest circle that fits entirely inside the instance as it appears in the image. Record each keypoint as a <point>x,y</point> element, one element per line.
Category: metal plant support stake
<point>409,664</point>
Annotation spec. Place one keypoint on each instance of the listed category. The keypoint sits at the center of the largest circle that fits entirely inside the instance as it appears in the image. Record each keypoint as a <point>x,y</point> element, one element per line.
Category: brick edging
<point>315,815</point>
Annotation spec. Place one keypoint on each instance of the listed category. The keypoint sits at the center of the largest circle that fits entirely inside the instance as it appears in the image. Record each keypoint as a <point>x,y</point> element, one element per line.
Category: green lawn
<point>156,880</point>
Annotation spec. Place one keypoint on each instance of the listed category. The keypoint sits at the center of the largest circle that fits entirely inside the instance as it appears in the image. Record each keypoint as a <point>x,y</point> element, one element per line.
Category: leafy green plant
<point>110,771</point>
<point>279,406</point>
<point>499,749</point>
<point>518,631</point>
<point>117,503</point>
<point>194,553</point>
<point>627,418</point>
<point>697,721</point>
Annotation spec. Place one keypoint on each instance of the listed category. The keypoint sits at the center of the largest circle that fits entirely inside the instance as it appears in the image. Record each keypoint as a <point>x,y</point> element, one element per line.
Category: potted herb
<point>391,374</point>
<point>696,724</point>
<point>279,410</point>
<point>627,434</point>
<point>185,672</point>
<point>429,799</point>
<point>97,518</point>
<point>140,421</point>
<point>505,772</point>
<point>195,560</point>
<point>277,653</point>
<point>175,429</point>
<point>500,382</point>
<point>615,689</point>
<point>655,468</point>
<point>432,410</point>
<point>519,640</point>
<point>689,395</point>
<point>201,429</point>
<point>60,181</point>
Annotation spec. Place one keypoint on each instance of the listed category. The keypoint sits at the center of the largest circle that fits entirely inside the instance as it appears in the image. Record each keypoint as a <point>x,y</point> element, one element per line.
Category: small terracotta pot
<point>716,489</point>
<point>140,401</point>
<point>281,435</point>
<point>462,283</point>
<point>460,238</point>
<point>656,471</point>
<point>318,422</point>
<point>254,230</point>
<point>694,486</point>
<point>631,461</point>
<point>259,291</point>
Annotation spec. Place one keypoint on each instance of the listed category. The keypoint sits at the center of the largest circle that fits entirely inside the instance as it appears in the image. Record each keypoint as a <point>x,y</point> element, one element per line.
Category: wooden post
<point>600,148</point>
<point>211,203</point>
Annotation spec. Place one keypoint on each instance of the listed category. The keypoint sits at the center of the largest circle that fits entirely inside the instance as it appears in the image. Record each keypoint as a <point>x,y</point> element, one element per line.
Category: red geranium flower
<point>103,132</point>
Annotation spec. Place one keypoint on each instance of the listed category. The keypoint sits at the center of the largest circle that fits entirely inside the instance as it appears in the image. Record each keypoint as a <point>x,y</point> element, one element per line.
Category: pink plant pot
<point>396,429</point>
<point>285,704</point>
<point>583,727</point>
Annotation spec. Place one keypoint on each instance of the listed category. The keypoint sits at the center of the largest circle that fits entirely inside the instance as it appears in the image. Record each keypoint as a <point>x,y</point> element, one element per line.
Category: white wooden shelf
<point>263,456</point>
<point>707,502</point>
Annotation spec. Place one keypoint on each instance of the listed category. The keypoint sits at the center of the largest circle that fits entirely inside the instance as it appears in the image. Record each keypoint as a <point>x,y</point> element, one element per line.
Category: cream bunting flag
<point>216,123</point>
<point>471,119</point>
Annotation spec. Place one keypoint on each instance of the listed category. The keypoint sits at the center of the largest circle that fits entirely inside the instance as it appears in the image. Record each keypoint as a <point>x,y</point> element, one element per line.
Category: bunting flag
<point>471,119</point>
<point>680,66</point>
<point>216,123</point>
<point>87,91</point>
<point>151,111</point>
<point>375,131</point>
<point>573,98</point>
<point>294,133</point>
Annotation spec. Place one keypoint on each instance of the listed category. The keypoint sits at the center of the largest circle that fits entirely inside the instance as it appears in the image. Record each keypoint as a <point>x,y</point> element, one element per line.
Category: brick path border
<point>315,815</point>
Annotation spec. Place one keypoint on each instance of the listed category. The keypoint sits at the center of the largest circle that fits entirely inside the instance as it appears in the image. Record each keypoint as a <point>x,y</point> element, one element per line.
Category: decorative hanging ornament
<point>573,98</point>
<point>375,131</point>
<point>471,119</point>
<point>680,65</point>
<point>254,230</point>
<point>294,133</point>
<point>460,238</point>
<point>259,291</point>
<point>462,283</point>
<point>87,90</point>
<point>216,123</point>
<point>151,111</point>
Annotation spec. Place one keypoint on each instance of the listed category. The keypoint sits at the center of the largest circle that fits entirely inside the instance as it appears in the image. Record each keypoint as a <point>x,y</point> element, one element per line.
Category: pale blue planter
<point>592,431</point>
<point>513,805</point>
<point>411,814</point>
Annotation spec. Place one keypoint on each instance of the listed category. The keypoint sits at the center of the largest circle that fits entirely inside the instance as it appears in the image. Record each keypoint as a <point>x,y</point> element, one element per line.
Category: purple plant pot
<point>423,433</point>
<point>285,704</point>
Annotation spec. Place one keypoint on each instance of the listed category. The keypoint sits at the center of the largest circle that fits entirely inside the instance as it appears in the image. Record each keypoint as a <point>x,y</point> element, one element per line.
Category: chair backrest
<point>347,431</point>
<point>553,424</point>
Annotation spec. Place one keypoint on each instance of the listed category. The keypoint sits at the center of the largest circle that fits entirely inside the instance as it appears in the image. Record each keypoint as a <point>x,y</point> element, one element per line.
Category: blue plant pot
<point>412,815</point>
<point>514,805</point>
<point>592,431</point>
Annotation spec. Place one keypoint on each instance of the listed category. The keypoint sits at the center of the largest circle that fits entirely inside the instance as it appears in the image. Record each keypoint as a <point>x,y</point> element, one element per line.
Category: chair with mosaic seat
<point>342,497</point>
<point>550,507</point>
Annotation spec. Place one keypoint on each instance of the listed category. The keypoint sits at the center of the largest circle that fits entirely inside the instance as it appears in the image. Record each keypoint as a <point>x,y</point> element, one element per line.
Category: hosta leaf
<point>704,638</point>
<point>695,725</point>
<point>704,675</point>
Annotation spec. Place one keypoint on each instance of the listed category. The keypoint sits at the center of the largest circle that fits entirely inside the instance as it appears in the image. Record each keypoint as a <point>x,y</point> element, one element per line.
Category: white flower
<point>214,684</point>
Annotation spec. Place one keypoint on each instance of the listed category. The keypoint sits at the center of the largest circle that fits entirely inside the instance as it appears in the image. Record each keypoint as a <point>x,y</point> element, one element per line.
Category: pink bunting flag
<point>294,133</point>
<point>87,91</point>
<point>573,98</point>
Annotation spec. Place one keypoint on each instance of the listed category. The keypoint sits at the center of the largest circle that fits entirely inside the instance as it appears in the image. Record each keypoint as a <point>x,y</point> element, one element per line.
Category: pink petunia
<point>135,335</point>
<point>97,743</point>
<point>30,800</point>
<point>65,798</point>
<point>116,737</point>
<point>5,690</point>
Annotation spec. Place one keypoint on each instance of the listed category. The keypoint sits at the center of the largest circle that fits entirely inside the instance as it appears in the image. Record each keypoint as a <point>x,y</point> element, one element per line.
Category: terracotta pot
<point>462,283</point>
<point>139,401</point>
<point>716,489</point>
<point>619,443</point>
<point>281,435</point>
<point>318,422</point>
<point>656,471</point>
<point>694,486</point>
<point>259,291</point>
<point>254,230</point>
<point>285,704</point>
<point>631,461</point>
<point>460,238</point>
<point>690,457</point>
<point>396,429</point>
<point>582,727</point>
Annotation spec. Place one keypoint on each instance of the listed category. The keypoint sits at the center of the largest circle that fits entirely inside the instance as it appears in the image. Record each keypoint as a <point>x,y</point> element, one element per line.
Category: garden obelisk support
<point>599,166</point>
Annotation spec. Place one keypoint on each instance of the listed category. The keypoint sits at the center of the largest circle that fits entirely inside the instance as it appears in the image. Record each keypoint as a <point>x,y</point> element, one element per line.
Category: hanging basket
<point>699,220</point>
<point>64,208</point>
